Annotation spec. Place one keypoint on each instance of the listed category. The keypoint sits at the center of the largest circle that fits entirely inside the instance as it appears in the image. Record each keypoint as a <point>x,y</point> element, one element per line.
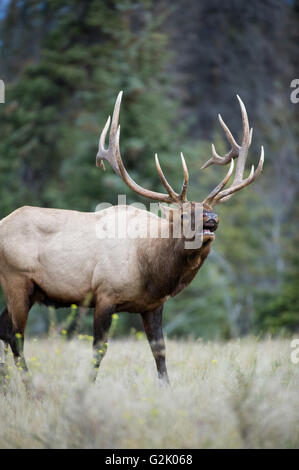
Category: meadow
<point>238,394</point>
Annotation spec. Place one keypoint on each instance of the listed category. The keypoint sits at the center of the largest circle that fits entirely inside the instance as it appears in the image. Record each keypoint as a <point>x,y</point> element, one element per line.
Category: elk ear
<point>169,212</point>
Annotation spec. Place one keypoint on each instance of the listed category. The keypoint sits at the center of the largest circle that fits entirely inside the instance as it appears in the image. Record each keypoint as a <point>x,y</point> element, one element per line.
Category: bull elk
<point>55,257</point>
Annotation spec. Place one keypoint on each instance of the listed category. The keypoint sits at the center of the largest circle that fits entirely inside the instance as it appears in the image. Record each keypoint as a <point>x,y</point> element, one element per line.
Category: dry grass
<point>241,394</point>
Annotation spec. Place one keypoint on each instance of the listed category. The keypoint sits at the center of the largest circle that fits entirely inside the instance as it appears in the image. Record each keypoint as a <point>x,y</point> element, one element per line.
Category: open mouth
<point>207,235</point>
<point>209,229</point>
<point>208,232</point>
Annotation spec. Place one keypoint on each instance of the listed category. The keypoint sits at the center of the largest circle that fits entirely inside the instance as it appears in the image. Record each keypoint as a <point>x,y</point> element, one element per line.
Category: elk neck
<point>167,267</point>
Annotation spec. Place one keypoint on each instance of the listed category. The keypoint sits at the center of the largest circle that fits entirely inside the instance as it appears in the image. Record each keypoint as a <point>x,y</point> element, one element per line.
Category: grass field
<point>241,394</point>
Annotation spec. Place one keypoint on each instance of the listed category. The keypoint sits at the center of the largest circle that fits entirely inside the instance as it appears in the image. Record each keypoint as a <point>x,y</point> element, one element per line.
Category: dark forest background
<point>180,63</point>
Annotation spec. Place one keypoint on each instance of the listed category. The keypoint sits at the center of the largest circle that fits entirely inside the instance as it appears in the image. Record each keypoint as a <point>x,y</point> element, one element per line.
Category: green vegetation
<point>63,63</point>
<point>239,394</point>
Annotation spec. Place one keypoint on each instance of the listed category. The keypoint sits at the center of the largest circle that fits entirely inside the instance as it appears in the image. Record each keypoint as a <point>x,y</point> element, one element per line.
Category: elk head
<point>184,210</point>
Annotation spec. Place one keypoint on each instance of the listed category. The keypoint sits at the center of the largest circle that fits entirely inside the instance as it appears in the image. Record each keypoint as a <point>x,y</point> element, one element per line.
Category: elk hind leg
<point>102,323</point>
<point>14,319</point>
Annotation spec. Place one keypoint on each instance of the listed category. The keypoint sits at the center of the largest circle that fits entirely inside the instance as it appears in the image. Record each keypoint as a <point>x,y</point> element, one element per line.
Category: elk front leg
<point>14,317</point>
<point>101,325</point>
<point>152,322</point>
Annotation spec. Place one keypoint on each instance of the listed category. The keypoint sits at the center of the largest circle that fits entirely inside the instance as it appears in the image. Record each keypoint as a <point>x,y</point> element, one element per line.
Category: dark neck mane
<point>167,267</point>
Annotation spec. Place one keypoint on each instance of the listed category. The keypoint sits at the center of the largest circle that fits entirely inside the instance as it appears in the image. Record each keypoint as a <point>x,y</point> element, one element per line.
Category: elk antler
<point>113,156</point>
<point>237,151</point>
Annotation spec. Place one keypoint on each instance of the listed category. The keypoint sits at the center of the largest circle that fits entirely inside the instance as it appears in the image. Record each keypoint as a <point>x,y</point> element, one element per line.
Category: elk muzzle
<point>210,224</point>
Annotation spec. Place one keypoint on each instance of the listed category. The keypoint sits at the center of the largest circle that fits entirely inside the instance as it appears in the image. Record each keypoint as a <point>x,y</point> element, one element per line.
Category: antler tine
<point>243,150</point>
<point>233,153</point>
<point>173,196</point>
<point>229,135</point>
<point>109,154</point>
<point>115,117</point>
<point>227,193</point>
<point>164,181</point>
<point>186,179</point>
<point>219,194</point>
<point>130,182</point>
<point>210,198</point>
<point>113,156</point>
<point>102,151</point>
<point>103,135</point>
<point>180,198</point>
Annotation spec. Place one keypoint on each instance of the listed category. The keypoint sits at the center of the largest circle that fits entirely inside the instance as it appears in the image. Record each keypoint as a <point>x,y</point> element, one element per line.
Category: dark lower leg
<point>102,323</point>
<point>152,322</point>
<point>17,347</point>
<point>18,294</point>
<point>14,335</point>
